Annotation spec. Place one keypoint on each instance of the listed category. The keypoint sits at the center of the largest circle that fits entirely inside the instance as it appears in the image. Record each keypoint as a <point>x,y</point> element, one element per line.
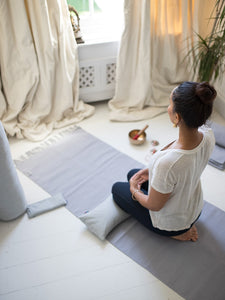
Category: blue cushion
<point>12,198</point>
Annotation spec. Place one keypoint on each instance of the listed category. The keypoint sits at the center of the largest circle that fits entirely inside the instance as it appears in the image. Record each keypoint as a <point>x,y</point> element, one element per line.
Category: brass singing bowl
<point>140,140</point>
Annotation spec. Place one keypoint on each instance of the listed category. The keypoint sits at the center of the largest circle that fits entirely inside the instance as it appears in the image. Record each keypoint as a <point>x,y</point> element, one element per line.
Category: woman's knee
<point>121,191</point>
<point>115,188</point>
<point>131,173</point>
<point>118,195</point>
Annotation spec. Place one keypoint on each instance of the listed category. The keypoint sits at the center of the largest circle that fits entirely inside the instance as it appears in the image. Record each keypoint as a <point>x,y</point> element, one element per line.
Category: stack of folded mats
<point>217,158</point>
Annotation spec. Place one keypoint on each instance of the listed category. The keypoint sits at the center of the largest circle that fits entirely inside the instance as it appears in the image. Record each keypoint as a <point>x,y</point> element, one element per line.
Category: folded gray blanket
<point>217,158</point>
<point>219,132</point>
<point>45,205</point>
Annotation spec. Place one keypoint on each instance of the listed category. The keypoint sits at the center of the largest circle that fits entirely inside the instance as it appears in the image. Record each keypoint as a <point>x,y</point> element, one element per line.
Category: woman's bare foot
<point>190,235</point>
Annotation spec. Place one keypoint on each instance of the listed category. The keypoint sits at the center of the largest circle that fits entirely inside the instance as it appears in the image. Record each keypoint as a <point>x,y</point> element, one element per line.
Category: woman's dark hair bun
<point>205,92</point>
<point>193,101</point>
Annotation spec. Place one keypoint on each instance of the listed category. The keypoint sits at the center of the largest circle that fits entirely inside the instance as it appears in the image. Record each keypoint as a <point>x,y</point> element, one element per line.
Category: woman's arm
<point>154,201</point>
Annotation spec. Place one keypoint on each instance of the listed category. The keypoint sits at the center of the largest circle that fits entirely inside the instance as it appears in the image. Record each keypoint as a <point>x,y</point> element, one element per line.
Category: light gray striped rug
<point>83,169</point>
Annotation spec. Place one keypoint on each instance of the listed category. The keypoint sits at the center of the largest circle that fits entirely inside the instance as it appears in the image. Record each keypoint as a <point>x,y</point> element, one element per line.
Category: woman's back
<point>178,172</point>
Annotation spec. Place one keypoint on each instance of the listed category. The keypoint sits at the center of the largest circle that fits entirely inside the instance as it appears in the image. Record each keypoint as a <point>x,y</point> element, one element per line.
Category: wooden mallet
<point>140,132</point>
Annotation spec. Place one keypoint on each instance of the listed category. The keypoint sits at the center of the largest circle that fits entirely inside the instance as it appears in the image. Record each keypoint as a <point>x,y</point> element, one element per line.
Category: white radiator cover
<point>97,70</point>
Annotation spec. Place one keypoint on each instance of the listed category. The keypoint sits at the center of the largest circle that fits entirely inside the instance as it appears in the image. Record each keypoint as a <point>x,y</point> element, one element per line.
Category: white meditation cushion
<point>104,218</point>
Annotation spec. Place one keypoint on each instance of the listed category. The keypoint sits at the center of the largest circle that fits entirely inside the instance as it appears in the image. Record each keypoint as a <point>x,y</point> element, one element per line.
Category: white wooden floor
<point>53,256</point>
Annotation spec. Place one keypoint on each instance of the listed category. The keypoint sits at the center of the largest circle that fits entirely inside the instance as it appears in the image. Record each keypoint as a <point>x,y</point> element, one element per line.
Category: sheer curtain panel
<point>39,72</point>
<point>157,35</point>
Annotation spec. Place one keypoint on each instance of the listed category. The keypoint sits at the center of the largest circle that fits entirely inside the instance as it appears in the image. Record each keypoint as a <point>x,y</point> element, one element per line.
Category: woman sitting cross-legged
<point>167,196</point>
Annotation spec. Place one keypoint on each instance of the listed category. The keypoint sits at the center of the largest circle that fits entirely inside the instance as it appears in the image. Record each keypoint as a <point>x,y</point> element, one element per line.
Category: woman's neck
<point>189,138</point>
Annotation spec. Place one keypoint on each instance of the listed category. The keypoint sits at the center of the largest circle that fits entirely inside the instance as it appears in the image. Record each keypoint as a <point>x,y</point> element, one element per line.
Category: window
<point>100,20</point>
<point>85,7</point>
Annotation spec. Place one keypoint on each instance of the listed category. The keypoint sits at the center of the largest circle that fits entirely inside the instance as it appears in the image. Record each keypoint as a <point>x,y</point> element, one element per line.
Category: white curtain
<point>157,36</point>
<point>39,72</point>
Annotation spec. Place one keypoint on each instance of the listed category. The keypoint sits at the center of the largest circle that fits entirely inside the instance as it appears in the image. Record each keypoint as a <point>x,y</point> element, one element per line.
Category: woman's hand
<point>154,200</point>
<point>138,179</point>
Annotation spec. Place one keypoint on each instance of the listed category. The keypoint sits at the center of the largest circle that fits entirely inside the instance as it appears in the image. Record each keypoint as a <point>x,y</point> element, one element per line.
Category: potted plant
<point>208,52</point>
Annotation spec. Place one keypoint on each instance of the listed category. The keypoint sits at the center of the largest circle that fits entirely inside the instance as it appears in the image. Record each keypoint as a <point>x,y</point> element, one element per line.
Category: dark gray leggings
<point>122,196</point>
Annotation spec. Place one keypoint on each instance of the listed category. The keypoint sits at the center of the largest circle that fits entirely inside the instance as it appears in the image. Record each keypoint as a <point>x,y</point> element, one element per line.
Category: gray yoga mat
<point>83,169</point>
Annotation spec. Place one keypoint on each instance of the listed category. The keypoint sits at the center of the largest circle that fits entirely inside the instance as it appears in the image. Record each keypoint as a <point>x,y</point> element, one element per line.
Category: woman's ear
<point>177,118</point>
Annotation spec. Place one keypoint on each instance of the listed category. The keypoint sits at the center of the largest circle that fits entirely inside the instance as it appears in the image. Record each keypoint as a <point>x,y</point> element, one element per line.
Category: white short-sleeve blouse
<point>178,172</point>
